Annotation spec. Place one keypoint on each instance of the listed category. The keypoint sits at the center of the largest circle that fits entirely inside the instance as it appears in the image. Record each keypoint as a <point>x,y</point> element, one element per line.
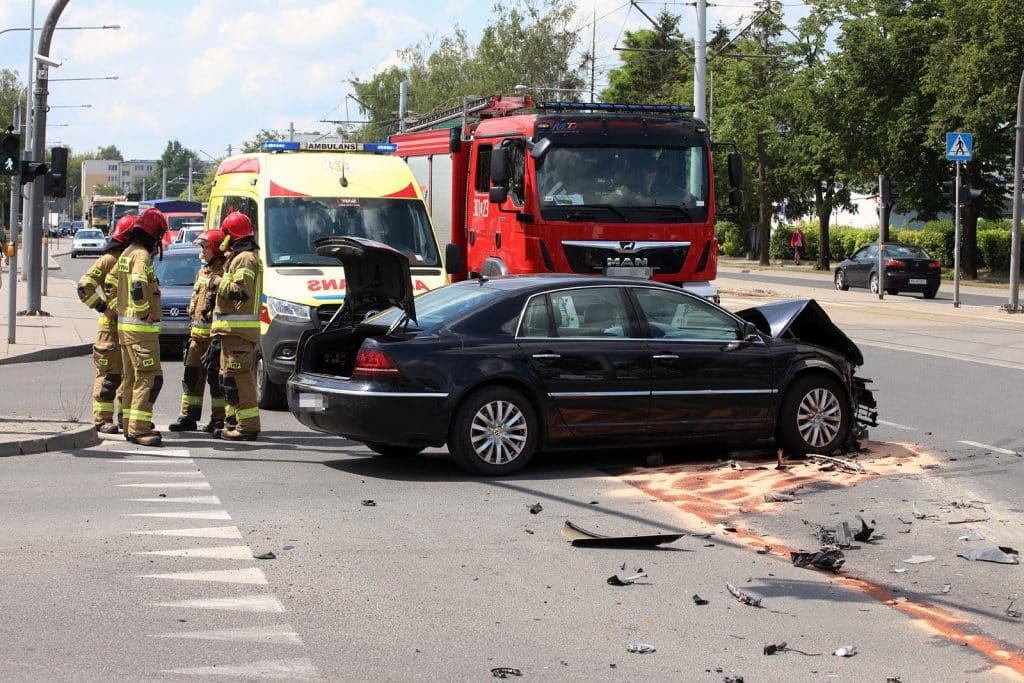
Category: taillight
<point>374,362</point>
<point>934,264</point>
<point>895,263</point>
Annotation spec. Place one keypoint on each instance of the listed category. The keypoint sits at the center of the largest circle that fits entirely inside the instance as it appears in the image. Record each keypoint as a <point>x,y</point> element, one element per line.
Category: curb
<point>83,437</point>
<point>56,353</point>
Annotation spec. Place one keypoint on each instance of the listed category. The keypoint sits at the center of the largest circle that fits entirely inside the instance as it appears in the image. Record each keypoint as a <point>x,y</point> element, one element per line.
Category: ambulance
<point>296,193</point>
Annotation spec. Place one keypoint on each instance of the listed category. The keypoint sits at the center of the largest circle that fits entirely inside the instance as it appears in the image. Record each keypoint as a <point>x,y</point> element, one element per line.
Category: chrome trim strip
<point>312,389</point>
<point>715,392</point>
<point>617,245</point>
<point>597,394</point>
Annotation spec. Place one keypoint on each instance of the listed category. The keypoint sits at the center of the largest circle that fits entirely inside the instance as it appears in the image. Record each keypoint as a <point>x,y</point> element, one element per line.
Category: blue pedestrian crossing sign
<point>959,146</point>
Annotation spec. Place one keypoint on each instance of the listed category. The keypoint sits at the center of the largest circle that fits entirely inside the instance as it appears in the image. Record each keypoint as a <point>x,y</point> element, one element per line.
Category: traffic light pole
<point>956,241</point>
<point>1013,306</point>
<point>12,280</point>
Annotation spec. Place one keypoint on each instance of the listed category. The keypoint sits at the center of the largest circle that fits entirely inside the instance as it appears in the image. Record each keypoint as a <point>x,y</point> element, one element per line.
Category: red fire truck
<point>598,188</point>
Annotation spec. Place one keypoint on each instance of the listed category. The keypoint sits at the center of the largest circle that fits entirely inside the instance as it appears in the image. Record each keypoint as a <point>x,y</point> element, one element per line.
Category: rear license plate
<point>918,281</point>
<point>311,402</point>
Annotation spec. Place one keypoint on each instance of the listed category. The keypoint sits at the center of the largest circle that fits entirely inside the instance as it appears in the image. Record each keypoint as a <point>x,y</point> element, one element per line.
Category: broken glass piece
<point>742,597</point>
<point>822,559</point>
<point>989,554</point>
<point>846,651</point>
<point>641,648</point>
<point>505,672</point>
<point>580,537</point>
<point>920,559</point>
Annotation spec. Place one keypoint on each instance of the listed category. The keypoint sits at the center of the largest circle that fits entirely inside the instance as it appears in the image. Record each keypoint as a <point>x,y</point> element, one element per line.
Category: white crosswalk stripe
<point>169,485</point>
<point>277,669</point>
<point>281,633</point>
<point>211,500</point>
<point>226,552</point>
<point>166,473</point>
<point>248,603</point>
<point>201,532</point>
<point>200,514</point>
<point>247,575</point>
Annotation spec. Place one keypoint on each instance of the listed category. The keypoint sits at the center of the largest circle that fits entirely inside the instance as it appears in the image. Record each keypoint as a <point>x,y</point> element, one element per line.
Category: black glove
<point>212,354</point>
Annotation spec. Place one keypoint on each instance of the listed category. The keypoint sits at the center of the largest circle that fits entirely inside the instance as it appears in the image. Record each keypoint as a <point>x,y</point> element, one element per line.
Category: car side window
<point>535,318</point>
<point>872,252</point>
<point>590,312</point>
<point>673,315</point>
<point>861,253</point>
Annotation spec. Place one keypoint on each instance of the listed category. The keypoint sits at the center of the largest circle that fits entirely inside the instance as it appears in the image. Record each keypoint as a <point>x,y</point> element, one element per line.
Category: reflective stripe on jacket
<point>239,293</point>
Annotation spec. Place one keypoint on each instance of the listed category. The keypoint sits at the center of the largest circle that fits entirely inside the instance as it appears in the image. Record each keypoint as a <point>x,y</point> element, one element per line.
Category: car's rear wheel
<point>74,254</point>
<point>271,395</point>
<point>930,293</point>
<point>495,431</point>
<point>841,280</point>
<point>815,416</point>
<point>393,451</point>
<point>894,292</point>
<point>873,283</point>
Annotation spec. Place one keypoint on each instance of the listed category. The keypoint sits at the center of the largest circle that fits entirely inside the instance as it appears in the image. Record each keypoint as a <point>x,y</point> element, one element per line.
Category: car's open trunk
<point>333,352</point>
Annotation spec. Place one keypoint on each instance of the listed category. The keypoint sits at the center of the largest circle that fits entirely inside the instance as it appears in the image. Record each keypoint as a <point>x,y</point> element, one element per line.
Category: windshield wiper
<point>578,215</point>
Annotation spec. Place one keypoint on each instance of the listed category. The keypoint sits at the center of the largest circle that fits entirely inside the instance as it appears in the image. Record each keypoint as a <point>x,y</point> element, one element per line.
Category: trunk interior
<point>333,352</point>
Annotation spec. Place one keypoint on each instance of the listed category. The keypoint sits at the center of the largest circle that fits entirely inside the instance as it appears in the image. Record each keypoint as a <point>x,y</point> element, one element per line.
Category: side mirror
<point>540,148</point>
<point>735,169</point>
<point>750,332</point>
<point>735,197</point>
<point>452,259</point>
<point>499,166</point>
<point>498,195</point>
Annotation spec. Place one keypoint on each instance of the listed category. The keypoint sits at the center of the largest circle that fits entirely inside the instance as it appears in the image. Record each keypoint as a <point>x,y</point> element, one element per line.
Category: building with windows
<point>130,175</point>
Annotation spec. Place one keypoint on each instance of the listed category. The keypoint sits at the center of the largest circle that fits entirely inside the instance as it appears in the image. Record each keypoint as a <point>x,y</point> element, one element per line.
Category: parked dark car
<point>177,274</point>
<point>500,368</point>
<point>908,268</point>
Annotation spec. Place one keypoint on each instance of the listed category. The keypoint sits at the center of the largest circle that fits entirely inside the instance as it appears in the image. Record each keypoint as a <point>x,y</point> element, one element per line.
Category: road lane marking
<point>247,575</point>
<point>170,485</point>
<point>201,514</point>
<point>164,452</point>
<point>997,449</point>
<point>285,669</point>
<point>211,500</point>
<point>201,532</point>
<point>248,603</point>
<point>167,473</point>
<point>897,425</point>
<point>182,461</point>
<point>224,552</point>
<point>275,634</point>
<point>942,354</point>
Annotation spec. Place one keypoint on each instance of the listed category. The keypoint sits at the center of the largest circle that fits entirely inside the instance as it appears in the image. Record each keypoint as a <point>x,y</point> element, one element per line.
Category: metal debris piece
<point>265,556</point>
<point>919,559</point>
<point>831,559</point>
<point>580,537</point>
<point>505,672</point>
<point>842,463</point>
<point>864,535</point>
<point>741,597</point>
<point>846,651</point>
<point>697,600</point>
<point>733,679</point>
<point>920,515</point>
<point>773,649</point>
<point>975,535</point>
<point>774,497</point>
<point>904,521</point>
<point>641,648</point>
<point>536,508</point>
<point>625,581</point>
<point>369,503</point>
<point>990,553</point>
<point>1010,612</point>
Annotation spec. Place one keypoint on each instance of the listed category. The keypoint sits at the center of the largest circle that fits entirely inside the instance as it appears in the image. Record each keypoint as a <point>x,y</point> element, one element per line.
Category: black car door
<point>705,378</point>
<point>863,263</point>
<point>585,350</point>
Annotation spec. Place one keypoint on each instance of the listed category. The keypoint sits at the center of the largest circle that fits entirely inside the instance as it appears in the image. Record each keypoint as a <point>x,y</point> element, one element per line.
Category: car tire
<point>814,416</point>
<point>74,255</point>
<point>930,293</point>
<point>873,283</point>
<point>393,451</point>
<point>893,292</point>
<point>504,410</point>
<point>270,395</point>
<point>841,284</point>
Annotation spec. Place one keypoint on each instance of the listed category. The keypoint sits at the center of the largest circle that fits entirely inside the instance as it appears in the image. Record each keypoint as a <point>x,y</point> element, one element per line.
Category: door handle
<point>547,356</point>
<point>665,356</point>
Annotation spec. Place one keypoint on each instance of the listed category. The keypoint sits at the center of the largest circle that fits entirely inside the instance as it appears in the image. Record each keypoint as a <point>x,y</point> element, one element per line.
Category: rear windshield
<point>905,250</point>
<point>178,268</point>
<point>439,306</point>
<point>293,223</point>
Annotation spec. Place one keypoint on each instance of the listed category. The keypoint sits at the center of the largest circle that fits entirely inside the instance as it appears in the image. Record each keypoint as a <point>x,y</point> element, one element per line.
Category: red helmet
<point>123,227</point>
<point>152,222</point>
<point>212,237</point>
<point>237,225</point>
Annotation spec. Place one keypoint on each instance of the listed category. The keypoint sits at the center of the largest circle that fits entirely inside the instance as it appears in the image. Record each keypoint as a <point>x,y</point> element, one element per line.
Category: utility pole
<point>593,52</point>
<point>12,279</point>
<point>190,178</point>
<point>700,61</point>
<point>1013,306</point>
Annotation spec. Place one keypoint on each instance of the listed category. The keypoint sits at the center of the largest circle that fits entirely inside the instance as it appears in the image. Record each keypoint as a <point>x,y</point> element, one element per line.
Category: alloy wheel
<point>498,432</point>
<point>819,417</point>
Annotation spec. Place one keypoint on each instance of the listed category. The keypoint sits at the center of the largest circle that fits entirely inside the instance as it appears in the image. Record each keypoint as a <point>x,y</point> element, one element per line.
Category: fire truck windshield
<point>626,184</point>
<point>293,223</point>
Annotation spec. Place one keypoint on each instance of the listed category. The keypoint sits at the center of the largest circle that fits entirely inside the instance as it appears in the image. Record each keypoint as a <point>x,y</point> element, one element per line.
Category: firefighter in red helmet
<point>98,290</point>
<point>138,326</point>
<point>236,325</point>
<point>200,368</point>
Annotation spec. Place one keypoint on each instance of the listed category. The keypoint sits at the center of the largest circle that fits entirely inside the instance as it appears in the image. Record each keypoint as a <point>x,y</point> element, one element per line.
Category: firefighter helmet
<point>153,223</point>
<point>124,226</point>
<point>237,225</point>
<point>212,237</point>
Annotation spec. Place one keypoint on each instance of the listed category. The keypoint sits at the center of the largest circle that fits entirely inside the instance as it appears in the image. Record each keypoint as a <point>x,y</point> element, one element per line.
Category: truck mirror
<point>499,166</point>
<point>452,259</point>
<point>735,197</point>
<point>498,195</point>
<point>735,169</point>
<point>540,148</point>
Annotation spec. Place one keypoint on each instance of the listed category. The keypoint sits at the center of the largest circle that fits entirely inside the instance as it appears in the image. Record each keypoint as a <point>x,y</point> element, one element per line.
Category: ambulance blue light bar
<point>616,107</point>
<point>371,147</point>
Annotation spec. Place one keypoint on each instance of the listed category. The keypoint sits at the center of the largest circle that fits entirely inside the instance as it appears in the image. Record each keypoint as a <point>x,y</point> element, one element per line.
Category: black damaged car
<point>499,369</point>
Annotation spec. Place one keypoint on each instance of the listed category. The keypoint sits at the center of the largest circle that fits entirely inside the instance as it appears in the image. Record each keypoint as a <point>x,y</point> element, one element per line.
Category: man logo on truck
<point>615,262</point>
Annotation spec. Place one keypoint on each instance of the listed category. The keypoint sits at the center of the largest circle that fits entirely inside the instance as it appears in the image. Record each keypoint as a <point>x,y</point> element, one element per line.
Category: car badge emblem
<point>627,246</point>
<point>175,312</point>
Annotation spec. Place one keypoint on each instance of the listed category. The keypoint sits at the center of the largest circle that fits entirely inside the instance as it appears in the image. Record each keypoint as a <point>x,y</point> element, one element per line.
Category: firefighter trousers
<point>195,380</point>
<point>239,382</point>
<point>106,388</point>
<point>143,380</point>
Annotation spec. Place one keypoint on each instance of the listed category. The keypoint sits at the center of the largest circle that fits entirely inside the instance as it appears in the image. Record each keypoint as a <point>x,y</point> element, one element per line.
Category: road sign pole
<point>1013,306</point>
<point>882,234</point>
<point>956,241</point>
<point>12,279</point>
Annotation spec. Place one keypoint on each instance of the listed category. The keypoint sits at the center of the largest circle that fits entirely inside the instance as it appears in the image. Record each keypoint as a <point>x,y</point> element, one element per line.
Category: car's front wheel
<point>873,283</point>
<point>495,431</point>
<point>841,283</point>
<point>270,395</point>
<point>930,293</point>
<point>815,416</point>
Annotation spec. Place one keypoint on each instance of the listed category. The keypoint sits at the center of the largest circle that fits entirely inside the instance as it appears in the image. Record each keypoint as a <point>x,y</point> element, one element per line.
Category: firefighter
<point>138,326</point>
<point>236,325</point>
<point>197,372</point>
<point>98,290</point>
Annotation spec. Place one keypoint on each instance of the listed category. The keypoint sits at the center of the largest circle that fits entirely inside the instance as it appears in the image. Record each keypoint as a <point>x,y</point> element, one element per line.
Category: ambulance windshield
<point>293,223</point>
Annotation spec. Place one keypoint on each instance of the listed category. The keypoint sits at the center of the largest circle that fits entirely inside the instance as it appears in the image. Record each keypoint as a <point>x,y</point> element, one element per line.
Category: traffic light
<point>10,154</point>
<point>30,170</point>
<point>967,193</point>
<point>56,182</point>
<point>889,191</point>
<point>949,190</point>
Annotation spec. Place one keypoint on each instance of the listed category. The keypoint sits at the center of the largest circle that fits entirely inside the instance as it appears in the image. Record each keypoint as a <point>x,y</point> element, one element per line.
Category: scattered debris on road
<point>1010,612</point>
<point>843,463</point>
<point>919,559</point>
<point>697,600</point>
<point>991,553</point>
<point>830,559</point>
<point>743,598</point>
<point>973,536</point>
<point>580,537</point>
<point>946,587</point>
<point>864,535</point>
<point>765,550</point>
<point>641,648</point>
<point>969,521</point>
<point>536,509</point>
<point>369,503</point>
<point>265,556</point>
<point>773,497</point>
<point>615,580</point>
<point>839,536</point>
<point>920,515</point>
<point>845,651</point>
<point>505,672</point>
<point>782,647</point>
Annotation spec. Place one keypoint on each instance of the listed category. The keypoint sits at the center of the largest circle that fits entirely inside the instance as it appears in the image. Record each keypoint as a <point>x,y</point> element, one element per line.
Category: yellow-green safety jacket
<point>138,300</point>
<point>98,289</point>
<point>200,307</point>
<point>239,294</point>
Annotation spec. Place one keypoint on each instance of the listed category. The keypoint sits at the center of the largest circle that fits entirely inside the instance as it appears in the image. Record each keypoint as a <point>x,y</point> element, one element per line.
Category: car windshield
<point>905,251</point>
<point>178,268</point>
<point>293,223</point>
<point>178,222</point>
<point>438,306</point>
<point>89,234</point>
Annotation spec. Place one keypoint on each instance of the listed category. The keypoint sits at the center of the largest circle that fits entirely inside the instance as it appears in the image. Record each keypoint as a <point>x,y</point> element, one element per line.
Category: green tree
<point>177,160</point>
<point>253,144</point>
<point>109,152</point>
<point>656,66</point>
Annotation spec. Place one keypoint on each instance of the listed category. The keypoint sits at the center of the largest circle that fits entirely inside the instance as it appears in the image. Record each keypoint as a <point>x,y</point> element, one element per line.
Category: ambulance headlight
<point>288,311</point>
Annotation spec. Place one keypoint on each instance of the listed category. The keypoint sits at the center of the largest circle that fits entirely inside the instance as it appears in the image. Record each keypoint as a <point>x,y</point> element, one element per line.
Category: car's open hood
<point>376,276</point>
<point>805,321</point>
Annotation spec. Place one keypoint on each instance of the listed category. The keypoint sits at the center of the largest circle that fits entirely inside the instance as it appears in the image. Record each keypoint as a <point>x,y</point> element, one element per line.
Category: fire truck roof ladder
<point>483,107</point>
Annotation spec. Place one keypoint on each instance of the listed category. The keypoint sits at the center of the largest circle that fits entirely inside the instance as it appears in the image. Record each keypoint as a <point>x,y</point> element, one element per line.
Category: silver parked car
<point>88,242</point>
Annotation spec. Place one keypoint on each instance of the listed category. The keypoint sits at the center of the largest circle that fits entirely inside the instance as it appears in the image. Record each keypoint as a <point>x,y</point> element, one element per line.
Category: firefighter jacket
<point>98,289</point>
<point>204,293</point>
<point>239,294</point>
<point>138,300</point>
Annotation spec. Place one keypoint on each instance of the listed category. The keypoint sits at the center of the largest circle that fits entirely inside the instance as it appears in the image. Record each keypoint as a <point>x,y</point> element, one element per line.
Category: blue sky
<point>216,72</point>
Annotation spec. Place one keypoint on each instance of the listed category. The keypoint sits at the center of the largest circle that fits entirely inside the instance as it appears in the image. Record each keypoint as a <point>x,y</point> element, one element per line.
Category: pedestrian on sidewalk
<point>138,326</point>
<point>198,373</point>
<point>236,325</point>
<point>798,243</point>
<point>98,290</point>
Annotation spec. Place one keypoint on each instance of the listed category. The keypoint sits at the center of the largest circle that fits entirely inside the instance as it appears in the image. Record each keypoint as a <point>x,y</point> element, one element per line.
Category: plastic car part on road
<point>580,537</point>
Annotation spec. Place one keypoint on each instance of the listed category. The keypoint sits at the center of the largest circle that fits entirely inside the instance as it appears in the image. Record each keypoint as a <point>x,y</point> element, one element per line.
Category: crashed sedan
<point>499,369</point>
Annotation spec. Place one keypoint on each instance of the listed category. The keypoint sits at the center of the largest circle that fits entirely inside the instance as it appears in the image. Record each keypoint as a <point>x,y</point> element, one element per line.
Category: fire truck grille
<point>592,259</point>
